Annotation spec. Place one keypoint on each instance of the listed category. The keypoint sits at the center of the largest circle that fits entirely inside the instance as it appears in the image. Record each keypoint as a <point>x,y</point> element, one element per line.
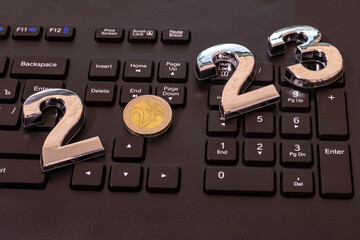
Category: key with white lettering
<point>173,71</point>
<point>297,183</point>
<point>27,32</point>
<point>8,91</point>
<point>100,94</point>
<point>130,91</point>
<point>138,70</point>
<point>259,152</point>
<point>215,96</point>
<point>217,127</point>
<point>10,116</point>
<point>109,34</point>
<point>88,176</point>
<point>174,94</point>
<point>104,69</point>
<point>129,149</point>
<point>176,36</point>
<point>240,180</point>
<point>34,86</point>
<point>125,177</point>
<point>39,67</point>
<point>296,153</point>
<point>331,113</point>
<point>295,125</point>
<point>221,151</point>
<point>60,33</point>
<point>142,35</point>
<point>294,100</point>
<point>335,170</point>
<point>259,124</point>
<point>21,174</point>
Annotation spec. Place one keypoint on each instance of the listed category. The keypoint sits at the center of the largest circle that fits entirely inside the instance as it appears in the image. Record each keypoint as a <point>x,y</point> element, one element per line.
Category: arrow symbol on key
<point>170,98</point>
<point>296,126</point>
<point>172,73</point>
<point>88,173</point>
<point>163,175</point>
<point>259,152</point>
<point>126,173</point>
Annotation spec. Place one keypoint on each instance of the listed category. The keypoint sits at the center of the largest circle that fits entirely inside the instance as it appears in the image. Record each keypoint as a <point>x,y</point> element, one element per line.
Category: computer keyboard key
<point>259,152</point>
<point>293,100</point>
<point>109,34</point>
<point>335,170</point>
<point>130,91</point>
<point>295,125</point>
<point>217,127</point>
<point>39,67</point>
<point>100,94</point>
<point>60,33</point>
<point>34,86</point>
<point>125,177</point>
<point>8,91</point>
<point>221,151</point>
<point>138,70</point>
<point>264,74</point>
<point>331,114</point>
<point>104,69</point>
<point>215,94</point>
<point>296,153</point>
<point>129,149</point>
<point>88,176</point>
<point>282,70</point>
<point>22,145</point>
<point>174,94</point>
<point>259,124</point>
<point>27,32</point>
<point>142,35</point>
<point>163,178</point>
<point>10,116</point>
<point>173,71</point>
<point>176,36</point>
<point>240,180</point>
<point>4,62</point>
<point>16,173</point>
<point>4,31</point>
<point>297,183</point>
<point>224,71</point>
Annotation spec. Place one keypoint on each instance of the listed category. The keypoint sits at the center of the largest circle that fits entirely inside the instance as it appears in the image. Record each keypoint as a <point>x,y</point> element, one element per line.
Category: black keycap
<point>176,36</point>
<point>129,149</point>
<point>221,151</point>
<point>4,31</point>
<point>40,67</point>
<point>100,94</point>
<point>60,33</point>
<point>130,91</point>
<point>296,153</point>
<point>22,145</point>
<point>125,177</point>
<point>224,71</point>
<point>109,34</point>
<point>297,183</point>
<point>88,176</point>
<point>215,93</point>
<point>216,127</point>
<point>282,70</point>
<point>294,100</point>
<point>259,152</point>
<point>238,180</point>
<point>142,35</point>
<point>173,71</point>
<point>34,86</point>
<point>10,116</point>
<point>174,94</point>
<point>104,69</point>
<point>163,178</point>
<point>138,70</point>
<point>335,170</point>
<point>8,91</point>
<point>27,32</point>
<point>259,124</point>
<point>21,174</point>
<point>331,114</point>
<point>4,62</point>
<point>295,125</point>
<point>264,74</point>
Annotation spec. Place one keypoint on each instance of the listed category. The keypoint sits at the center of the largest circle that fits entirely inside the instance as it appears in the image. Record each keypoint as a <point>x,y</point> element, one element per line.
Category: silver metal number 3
<point>56,152</point>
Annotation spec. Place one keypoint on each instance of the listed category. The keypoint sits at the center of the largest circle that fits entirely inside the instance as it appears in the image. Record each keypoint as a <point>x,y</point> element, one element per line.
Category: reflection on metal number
<point>234,101</point>
<point>56,152</point>
<point>310,50</point>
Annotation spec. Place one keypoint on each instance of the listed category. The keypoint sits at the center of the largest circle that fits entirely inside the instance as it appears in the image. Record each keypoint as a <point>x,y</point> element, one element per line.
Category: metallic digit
<point>233,104</point>
<point>55,152</point>
<point>310,50</point>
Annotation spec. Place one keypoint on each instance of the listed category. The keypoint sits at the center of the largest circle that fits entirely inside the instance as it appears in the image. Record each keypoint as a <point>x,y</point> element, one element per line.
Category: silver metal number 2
<point>56,152</point>
<point>233,100</point>
<point>310,49</point>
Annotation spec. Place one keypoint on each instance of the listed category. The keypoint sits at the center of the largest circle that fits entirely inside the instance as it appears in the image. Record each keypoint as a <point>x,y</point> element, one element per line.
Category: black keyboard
<point>285,171</point>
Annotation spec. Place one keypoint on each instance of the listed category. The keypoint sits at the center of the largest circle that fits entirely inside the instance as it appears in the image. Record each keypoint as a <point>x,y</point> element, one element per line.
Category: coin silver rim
<point>151,132</point>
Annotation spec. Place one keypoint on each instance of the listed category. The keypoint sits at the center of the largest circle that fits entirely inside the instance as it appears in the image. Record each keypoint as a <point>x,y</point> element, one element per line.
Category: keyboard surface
<point>287,171</point>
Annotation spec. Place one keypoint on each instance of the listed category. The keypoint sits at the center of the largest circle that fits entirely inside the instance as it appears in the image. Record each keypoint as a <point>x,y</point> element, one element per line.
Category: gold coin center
<point>147,114</point>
